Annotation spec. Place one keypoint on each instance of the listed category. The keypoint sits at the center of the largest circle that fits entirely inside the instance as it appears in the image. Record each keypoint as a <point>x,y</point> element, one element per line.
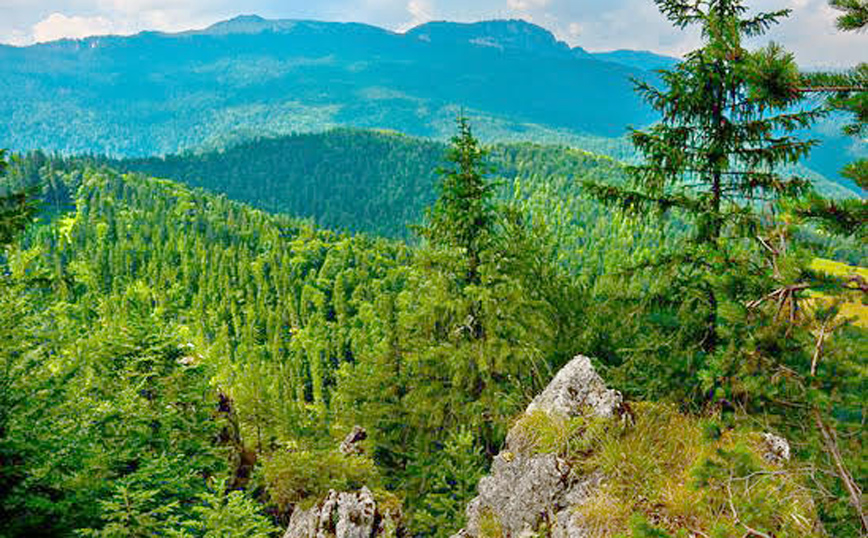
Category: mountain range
<point>157,93</point>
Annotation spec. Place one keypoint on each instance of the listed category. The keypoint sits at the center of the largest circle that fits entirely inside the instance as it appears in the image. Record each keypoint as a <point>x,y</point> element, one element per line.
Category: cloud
<point>58,26</point>
<point>526,5</point>
<point>591,24</point>
<point>421,11</point>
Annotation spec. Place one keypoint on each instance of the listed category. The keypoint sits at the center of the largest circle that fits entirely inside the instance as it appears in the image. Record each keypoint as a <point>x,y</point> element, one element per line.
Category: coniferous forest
<point>186,339</point>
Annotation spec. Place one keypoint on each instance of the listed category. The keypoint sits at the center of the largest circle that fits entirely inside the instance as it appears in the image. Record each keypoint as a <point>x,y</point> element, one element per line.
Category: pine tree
<point>725,130</point>
<point>845,92</point>
<point>854,14</point>
<point>464,214</point>
<point>16,207</point>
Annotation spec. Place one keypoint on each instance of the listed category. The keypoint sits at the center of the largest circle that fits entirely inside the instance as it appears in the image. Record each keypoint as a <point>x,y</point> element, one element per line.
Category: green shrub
<point>227,514</point>
<point>305,476</point>
<point>668,469</point>
<point>451,476</point>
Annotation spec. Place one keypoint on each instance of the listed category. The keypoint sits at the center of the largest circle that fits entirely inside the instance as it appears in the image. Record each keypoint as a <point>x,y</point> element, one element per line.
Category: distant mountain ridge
<point>181,90</point>
<point>158,93</point>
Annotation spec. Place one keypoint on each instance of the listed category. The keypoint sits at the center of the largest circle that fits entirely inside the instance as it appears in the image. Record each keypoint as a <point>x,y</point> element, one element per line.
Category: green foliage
<point>854,14</point>
<point>137,514</point>
<point>16,208</point>
<point>642,529</point>
<point>664,469</point>
<point>846,92</point>
<point>303,476</point>
<point>157,340</point>
<point>463,216</point>
<point>451,475</point>
<point>224,513</point>
<point>727,131</point>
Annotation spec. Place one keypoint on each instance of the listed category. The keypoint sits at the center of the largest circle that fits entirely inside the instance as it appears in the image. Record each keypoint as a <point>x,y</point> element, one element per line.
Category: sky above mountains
<point>592,24</point>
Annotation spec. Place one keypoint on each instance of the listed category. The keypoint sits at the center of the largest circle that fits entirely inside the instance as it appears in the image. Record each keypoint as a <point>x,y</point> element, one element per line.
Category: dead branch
<point>831,446</point>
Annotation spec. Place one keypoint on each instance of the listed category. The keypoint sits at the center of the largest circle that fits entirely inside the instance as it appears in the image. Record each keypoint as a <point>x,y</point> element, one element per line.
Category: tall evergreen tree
<point>16,207</point>
<point>726,128</point>
<point>464,214</point>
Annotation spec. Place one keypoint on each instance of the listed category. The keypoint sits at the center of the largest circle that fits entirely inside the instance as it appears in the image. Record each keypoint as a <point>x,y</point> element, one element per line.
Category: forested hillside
<point>361,180</point>
<point>258,76</point>
<point>173,334</point>
<point>302,333</point>
<point>157,94</point>
<point>375,182</point>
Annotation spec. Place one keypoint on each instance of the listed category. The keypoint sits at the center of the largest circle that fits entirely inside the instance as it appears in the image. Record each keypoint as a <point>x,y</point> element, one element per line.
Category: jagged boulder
<point>344,515</point>
<point>526,489</point>
<point>575,389</point>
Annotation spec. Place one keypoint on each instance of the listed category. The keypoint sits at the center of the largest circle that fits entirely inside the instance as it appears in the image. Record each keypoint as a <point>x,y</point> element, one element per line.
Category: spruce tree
<point>464,214</point>
<point>16,207</point>
<point>854,14</point>
<point>845,92</point>
<point>726,128</point>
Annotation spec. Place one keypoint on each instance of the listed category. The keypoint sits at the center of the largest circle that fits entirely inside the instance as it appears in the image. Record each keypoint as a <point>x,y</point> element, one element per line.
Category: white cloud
<point>526,5</point>
<point>58,26</point>
<point>421,11</point>
<point>591,24</point>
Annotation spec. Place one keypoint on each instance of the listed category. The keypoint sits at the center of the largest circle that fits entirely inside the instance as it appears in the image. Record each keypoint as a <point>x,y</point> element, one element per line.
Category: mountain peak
<point>248,24</point>
<point>504,35</point>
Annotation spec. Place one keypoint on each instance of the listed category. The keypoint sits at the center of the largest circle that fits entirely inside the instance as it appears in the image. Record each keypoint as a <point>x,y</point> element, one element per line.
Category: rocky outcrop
<point>348,514</point>
<point>525,489</point>
<point>575,389</point>
<point>344,515</point>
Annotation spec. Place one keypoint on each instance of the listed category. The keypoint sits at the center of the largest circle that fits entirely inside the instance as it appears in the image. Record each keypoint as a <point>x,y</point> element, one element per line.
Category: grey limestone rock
<point>577,386</point>
<point>342,515</point>
<point>777,449</point>
<point>524,489</point>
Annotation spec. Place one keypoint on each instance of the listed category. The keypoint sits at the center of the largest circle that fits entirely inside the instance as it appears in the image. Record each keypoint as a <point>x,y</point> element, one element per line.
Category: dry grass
<point>542,433</point>
<point>668,470</point>
<point>851,308</point>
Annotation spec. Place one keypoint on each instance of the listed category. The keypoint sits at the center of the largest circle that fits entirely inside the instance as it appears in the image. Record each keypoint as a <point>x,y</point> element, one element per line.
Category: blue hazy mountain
<point>637,59</point>
<point>158,93</point>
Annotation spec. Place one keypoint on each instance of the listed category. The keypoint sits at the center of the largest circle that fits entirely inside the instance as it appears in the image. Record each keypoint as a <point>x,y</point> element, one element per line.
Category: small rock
<point>350,444</point>
<point>340,515</point>
<point>777,449</point>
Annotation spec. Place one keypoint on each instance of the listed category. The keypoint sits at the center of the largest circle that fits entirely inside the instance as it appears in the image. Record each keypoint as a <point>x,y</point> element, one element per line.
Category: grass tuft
<point>680,477</point>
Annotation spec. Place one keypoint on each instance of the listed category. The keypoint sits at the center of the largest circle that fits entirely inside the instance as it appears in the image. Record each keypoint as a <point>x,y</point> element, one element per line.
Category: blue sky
<point>593,24</point>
